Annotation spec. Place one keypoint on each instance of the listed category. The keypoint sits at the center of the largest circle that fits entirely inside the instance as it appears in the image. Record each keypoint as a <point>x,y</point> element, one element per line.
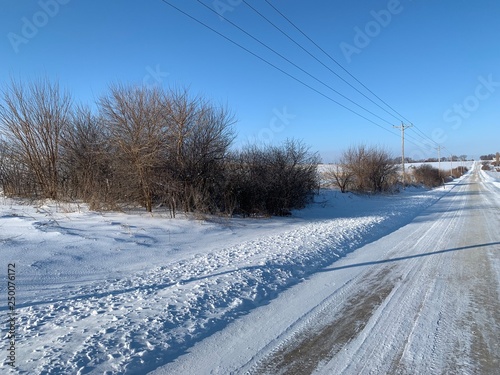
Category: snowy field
<point>445,165</point>
<point>113,293</point>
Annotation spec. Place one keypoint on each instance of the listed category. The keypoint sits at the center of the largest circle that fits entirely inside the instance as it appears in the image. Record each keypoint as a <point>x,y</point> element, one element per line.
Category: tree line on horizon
<point>489,157</point>
<point>144,146</point>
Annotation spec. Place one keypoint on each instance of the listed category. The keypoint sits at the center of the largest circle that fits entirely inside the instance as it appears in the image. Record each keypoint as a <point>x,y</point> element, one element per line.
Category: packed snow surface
<point>114,293</point>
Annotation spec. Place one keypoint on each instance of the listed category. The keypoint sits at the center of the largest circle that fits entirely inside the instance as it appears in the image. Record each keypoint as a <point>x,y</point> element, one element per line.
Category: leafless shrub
<point>458,172</point>
<point>273,180</point>
<point>370,169</point>
<point>427,175</point>
<point>496,163</point>
<point>486,166</point>
<point>340,176</point>
<point>15,178</point>
<point>199,139</point>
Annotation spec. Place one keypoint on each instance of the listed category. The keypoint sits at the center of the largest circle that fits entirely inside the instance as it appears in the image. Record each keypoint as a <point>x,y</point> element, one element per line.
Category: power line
<point>335,61</point>
<point>291,62</point>
<point>344,69</point>
<point>422,136</point>
<point>318,60</point>
<point>275,67</point>
<point>283,71</point>
<point>422,133</point>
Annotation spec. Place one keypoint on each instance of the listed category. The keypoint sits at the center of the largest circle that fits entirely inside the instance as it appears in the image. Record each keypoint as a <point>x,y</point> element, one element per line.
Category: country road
<point>424,299</point>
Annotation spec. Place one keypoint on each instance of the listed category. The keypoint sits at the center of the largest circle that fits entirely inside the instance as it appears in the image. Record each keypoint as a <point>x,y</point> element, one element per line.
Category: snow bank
<point>490,176</point>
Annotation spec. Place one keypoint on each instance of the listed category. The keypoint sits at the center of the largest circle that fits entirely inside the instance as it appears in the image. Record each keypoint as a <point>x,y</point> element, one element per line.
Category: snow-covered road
<point>385,284</point>
<point>423,300</point>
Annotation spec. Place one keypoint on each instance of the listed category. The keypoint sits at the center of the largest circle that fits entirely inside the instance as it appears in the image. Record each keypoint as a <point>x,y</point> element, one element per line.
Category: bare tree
<point>372,169</point>
<point>136,119</point>
<point>340,175</point>
<point>353,164</point>
<point>382,172</point>
<point>86,159</point>
<point>167,147</point>
<point>296,169</point>
<point>199,140</point>
<point>7,173</point>
<point>33,117</point>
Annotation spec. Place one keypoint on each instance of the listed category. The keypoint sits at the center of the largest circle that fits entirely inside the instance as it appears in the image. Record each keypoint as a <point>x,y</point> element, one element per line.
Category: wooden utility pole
<point>403,127</point>
<point>438,148</point>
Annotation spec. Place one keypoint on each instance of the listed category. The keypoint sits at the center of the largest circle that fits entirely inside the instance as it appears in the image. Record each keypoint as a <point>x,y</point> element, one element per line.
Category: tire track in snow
<point>302,353</point>
<point>481,284</point>
<point>451,332</point>
<point>394,331</point>
<point>312,346</point>
<point>384,288</point>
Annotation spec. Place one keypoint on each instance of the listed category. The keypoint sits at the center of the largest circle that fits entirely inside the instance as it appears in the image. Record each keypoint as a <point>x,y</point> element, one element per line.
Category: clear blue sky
<point>436,62</point>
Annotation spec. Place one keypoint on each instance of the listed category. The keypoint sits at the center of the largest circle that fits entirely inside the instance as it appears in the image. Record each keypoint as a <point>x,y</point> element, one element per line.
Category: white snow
<point>130,292</point>
<point>492,177</point>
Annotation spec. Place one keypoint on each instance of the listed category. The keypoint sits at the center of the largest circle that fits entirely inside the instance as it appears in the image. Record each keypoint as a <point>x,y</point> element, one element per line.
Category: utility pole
<point>403,127</point>
<point>438,148</point>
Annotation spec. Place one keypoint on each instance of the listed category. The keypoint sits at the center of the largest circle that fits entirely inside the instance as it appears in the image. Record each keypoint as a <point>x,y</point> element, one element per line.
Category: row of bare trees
<point>144,145</point>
